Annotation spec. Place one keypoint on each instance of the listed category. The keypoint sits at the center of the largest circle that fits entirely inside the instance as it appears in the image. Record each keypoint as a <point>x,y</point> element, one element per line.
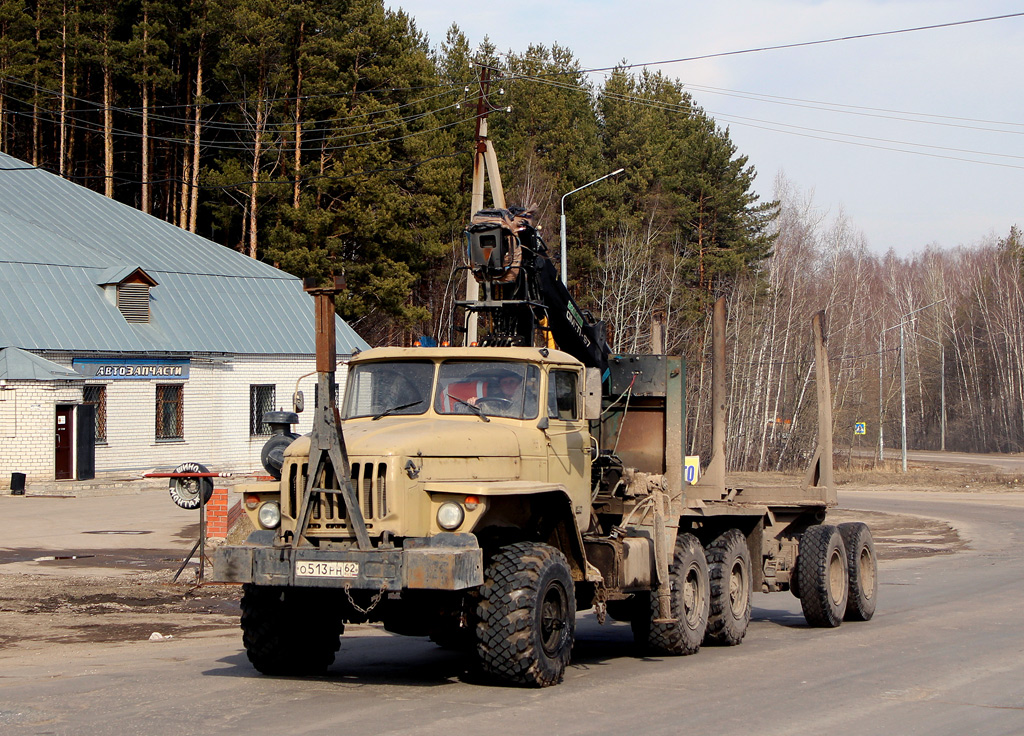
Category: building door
<point>65,443</point>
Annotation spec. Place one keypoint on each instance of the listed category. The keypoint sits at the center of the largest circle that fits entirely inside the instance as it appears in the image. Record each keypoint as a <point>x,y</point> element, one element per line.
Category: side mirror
<point>298,402</point>
<point>543,423</point>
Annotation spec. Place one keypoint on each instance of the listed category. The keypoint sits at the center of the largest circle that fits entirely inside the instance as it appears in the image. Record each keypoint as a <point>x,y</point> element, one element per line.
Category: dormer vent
<point>133,302</point>
<point>132,287</point>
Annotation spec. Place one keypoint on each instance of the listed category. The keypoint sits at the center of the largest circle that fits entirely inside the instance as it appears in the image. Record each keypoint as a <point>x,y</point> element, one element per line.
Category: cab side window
<point>562,395</point>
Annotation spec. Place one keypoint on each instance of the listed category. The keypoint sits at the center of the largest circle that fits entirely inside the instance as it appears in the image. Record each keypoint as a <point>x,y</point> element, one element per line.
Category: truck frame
<point>491,530</point>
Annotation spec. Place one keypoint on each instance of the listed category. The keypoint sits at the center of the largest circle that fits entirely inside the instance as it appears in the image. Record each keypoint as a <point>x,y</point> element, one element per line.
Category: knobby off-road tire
<point>822,568</point>
<point>289,631</point>
<point>862,568</point>
<point>526,615</point>
<point>691,600</point>
<point>731,581</point>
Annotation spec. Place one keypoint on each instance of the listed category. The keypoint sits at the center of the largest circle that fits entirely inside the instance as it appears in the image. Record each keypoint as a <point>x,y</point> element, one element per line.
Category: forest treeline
<point>330,137</point>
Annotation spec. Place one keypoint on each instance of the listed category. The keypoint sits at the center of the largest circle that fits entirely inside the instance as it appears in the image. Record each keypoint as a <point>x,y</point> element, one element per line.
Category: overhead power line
<point>875,112</point>
<point>805,132</point>
<point>778,47</point>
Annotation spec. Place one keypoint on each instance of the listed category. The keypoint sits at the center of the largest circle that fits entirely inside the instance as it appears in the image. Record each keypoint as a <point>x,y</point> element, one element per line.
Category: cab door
<point>567,436</point>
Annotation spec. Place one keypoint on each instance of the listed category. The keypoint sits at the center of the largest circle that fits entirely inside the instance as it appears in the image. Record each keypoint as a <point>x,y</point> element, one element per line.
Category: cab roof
<point>532,355</point>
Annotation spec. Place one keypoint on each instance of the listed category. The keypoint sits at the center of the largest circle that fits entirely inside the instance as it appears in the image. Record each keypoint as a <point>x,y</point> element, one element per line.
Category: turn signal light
<point>472,502</point>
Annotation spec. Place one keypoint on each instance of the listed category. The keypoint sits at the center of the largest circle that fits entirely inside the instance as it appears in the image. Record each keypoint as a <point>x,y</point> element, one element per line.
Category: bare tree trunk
<point>35,87</point>
<point>145,114</point>
<point>186,176</point>
<point>254,185</point>
<point>62,166</point>
<point>108,119</point>
<point>196,138</point>
<point>298,122</point>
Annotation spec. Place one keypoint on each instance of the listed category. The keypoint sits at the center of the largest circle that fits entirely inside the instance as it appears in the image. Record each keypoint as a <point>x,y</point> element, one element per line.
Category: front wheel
<point>527,615</point>
<point>289,631</point>
<point>688,579</point>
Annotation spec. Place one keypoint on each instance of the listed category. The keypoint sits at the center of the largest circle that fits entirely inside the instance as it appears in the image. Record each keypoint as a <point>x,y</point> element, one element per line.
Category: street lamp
<point>561,233</point>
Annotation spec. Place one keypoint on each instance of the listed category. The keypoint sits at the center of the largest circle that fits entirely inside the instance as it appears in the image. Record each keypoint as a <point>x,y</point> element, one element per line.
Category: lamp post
<point>561,232</point>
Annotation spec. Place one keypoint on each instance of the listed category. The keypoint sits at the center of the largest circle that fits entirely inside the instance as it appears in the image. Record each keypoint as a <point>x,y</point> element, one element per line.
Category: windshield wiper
<point>475,409</point>
<point>396,408</point>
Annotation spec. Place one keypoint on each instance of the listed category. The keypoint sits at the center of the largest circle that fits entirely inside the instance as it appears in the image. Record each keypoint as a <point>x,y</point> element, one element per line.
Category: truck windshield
<point>496,389</point>
<point>388,389</point>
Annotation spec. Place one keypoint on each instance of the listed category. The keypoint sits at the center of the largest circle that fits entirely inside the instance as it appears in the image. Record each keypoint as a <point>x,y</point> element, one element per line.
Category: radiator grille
<point>369,481</point>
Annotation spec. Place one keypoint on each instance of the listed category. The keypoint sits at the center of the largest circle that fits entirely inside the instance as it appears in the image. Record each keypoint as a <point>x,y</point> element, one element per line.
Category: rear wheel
<point>289,631</point>
<point>527,615</point>
<point>862,568</point>
<point>729,572</point>
<point>822,570</point>
<point>688,579</point>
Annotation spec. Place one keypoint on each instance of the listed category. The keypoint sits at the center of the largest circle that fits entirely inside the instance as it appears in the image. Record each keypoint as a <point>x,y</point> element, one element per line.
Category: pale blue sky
<point>969,74</point>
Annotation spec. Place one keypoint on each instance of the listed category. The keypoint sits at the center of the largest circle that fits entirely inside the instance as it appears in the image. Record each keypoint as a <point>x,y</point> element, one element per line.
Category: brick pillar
<point>217,514</point>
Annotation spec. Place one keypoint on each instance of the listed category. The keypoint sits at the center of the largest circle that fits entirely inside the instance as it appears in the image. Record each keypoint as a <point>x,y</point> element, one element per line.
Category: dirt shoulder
<point>40,610</point>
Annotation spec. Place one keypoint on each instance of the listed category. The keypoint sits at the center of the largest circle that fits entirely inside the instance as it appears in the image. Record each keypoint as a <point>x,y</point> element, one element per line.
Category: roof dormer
<point>131,287</point>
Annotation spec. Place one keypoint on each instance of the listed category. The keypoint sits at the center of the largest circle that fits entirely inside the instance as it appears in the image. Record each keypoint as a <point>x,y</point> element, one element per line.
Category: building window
<point>169,424</point>
<point>261,400</point>
<point>337,394</point>
<point>97,397</point>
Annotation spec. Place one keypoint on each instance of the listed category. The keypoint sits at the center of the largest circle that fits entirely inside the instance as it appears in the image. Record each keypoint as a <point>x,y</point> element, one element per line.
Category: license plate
<point>310,569</point>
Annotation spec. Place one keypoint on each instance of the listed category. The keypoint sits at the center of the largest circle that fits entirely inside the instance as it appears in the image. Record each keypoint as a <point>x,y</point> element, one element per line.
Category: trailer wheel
<point>688,578</point>
<point>822,568</point>
<point>289,631</point>
<point>731,586</point>
<point>862,567</point>
<point>526,615</point>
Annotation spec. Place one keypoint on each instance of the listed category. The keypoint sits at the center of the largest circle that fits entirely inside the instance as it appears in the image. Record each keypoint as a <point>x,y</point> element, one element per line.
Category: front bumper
<point>442,562</point>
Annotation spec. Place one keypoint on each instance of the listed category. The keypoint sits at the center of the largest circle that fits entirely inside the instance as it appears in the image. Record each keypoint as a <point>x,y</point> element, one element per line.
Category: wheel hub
<point>553,619</point>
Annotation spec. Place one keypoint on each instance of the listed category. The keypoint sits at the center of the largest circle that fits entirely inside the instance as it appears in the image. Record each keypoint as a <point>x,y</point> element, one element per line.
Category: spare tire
<point>187,492</point>
<point>272,454</point>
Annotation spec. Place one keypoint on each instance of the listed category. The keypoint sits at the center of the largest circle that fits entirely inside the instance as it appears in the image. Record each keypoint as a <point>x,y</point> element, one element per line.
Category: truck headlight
<point>269,515</point>
<point>450,516</point>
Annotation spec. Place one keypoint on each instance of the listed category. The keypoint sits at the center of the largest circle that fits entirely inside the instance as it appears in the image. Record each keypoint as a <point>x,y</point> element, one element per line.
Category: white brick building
<point>176,343</point>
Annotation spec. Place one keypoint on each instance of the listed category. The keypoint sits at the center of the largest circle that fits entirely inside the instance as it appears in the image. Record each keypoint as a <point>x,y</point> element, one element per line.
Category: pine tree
<point>15,59</point>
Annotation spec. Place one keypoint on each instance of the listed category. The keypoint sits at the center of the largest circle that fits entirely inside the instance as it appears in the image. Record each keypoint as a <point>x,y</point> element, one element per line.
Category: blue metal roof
<point>19,365</point>
<point>60,242</point>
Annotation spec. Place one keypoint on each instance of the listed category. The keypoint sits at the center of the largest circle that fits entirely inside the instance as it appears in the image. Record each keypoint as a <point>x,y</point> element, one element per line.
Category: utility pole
<point>485,165</point>
<point>903,384</point>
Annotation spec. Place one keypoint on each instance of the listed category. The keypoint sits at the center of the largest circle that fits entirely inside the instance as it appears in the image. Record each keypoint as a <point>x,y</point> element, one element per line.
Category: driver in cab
<point>503,398</point>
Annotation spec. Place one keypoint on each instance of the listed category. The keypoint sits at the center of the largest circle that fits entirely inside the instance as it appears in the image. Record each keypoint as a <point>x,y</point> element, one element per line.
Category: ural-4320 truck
<point>485,495</point>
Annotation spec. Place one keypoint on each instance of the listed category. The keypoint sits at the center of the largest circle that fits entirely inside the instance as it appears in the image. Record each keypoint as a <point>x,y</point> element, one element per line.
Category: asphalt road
<point>1000,462</point>
<point>943,655</point>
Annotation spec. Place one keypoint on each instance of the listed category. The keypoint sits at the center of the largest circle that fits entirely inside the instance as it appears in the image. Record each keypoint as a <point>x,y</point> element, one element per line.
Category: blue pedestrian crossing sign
<point>860,428</point>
